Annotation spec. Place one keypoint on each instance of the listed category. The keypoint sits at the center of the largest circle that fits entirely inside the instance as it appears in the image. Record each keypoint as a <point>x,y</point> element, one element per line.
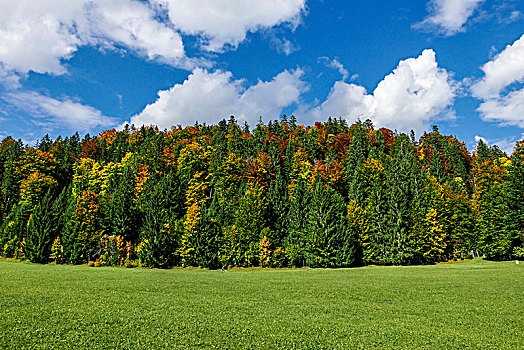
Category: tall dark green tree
<point>122,217</point>
<point>406,186</point>
<point>295,241</point>
<point>43,227</point>
<point>161,210</point>
<point>357,154</point>
<point>327,238</point>
<point>513,192</point>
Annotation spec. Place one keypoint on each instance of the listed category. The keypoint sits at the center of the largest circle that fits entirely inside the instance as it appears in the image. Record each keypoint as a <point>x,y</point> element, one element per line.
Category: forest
<point>279,195</point>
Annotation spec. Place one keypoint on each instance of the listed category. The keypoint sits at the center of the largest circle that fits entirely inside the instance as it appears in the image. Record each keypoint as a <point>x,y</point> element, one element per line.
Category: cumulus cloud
<point>480,138</point>
<point>210,97</point>
<point>50,112</point>
<point>448,17</point>
<point>227,22</point>
<point>133,25</point>
<point>506,110</point>
<point>416,93</point>
<point>35,38</point>
<point>507,68</point>
<point>38,35</point>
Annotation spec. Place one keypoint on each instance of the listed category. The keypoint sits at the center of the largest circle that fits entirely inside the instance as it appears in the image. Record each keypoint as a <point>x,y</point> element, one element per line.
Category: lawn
<point>475,304</point>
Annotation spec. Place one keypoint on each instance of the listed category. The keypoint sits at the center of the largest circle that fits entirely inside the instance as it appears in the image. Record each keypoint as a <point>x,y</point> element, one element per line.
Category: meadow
<point>474,304</point>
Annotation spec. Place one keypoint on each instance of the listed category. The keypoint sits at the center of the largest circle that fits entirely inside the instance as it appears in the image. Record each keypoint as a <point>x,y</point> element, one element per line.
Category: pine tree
<point>357,154</point>
<point>327,239</point>
<point>278,208</point>
<point>493,240</point>
<point>43,227</point>
<point>513,192</point>
<point>371,218</point>
<point>406,185</point>
<point>207,241</point>
<point>295,241</point>
<point>161,213</point>
<point>120,208</point>
<point>250,219</point>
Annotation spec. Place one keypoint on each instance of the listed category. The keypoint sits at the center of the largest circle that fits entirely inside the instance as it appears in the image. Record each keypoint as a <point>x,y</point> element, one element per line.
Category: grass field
<point>475,304</point>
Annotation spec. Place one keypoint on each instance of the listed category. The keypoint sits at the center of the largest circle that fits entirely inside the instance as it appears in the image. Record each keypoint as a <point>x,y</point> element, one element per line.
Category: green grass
<point>475,304</point>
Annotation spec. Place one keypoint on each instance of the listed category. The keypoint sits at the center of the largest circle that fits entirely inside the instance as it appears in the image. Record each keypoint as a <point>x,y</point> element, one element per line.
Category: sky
<point>91,65</point>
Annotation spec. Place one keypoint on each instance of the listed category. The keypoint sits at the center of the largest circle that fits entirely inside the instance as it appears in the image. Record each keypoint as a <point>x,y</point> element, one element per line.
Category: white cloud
<point>349,101</point>
<point>38,35</point>
<point>284,46</point>
<point>448,17</point>
<point>51,113</point>
<point>514,16</point>
<point>507,68</point>
<point>335,64</point>
<point>8,78</point>
<point>506,110</point>
<point>479,138</point>
<point>227,22</point>
<point>416,93</point>
<point>132,24</point>
<point>211,97</point>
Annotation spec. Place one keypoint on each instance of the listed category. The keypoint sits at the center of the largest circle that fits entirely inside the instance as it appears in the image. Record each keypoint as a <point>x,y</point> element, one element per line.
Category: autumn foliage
<point>280,195</point>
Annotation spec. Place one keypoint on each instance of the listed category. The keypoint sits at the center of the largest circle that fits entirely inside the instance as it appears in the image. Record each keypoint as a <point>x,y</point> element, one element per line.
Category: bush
<point>518,253</point>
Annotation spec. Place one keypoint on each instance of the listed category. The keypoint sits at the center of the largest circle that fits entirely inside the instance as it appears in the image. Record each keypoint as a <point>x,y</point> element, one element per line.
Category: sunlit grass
<point>475,304</point>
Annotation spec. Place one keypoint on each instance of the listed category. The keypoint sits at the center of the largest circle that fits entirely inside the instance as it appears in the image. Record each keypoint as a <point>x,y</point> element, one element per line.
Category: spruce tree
<point>297,227</point>
<point>357,154</point>
<point>513,192</point>
<point>120,208</point>
<point>406,185</point>
<point>43,227</point>
<point>161,211</point>
<point>327,239</point>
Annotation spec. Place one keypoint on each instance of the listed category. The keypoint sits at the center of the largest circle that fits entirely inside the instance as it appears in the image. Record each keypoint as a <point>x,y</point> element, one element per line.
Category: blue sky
<point>90,65</point>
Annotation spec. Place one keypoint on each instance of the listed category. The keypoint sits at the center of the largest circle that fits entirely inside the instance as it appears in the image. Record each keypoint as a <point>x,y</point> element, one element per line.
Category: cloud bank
<point>415,94</point>
<point>213,96</point>
<point>501,104</point>
<point>40,35</point>
<point>226,22</point>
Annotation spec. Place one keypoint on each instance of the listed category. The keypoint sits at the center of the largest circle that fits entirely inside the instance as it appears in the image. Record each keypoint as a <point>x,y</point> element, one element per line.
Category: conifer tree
<point>357,154</point>
<point>295,241</point>
<point>513,191</point>
<point>327,238</point>
<point>13,230</point>
<point>120,208</point>
<point>406,184</point>
<point>492,240</point>
<point>161,213</point>
<point>43,227</point>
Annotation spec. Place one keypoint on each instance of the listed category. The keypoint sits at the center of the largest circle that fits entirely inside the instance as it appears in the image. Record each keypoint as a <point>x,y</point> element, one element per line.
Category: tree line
<point>280,195</point>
